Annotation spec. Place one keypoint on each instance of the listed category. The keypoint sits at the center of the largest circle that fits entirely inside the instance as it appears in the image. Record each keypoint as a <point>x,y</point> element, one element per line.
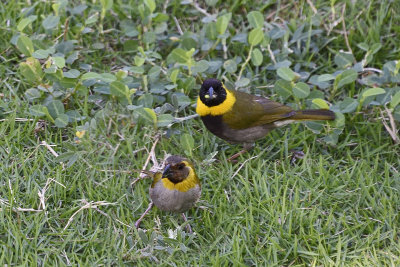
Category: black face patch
<point>219,91</point>
<point>176,170</point>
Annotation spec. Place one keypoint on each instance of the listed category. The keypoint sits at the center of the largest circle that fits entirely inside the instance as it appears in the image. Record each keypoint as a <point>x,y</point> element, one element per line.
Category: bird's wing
<point>249,111</point>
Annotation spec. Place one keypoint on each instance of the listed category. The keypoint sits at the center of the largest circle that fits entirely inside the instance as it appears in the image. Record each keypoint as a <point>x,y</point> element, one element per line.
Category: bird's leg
<point>234,156</point>
<point>246,148</point>
<point>296,154</point>
<point>188,228</point>
<point>137,223</point>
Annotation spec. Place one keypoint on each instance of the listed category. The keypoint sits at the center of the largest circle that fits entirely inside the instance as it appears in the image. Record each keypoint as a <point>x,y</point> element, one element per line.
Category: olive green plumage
<point>238,117</point>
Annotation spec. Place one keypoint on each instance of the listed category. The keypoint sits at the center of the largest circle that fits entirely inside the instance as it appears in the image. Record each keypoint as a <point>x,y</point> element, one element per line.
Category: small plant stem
<point>245,63</point>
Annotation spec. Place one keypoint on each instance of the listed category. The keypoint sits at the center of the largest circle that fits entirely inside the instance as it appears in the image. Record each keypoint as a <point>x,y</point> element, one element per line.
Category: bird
<point>176,189</point>
<point>239,117</point>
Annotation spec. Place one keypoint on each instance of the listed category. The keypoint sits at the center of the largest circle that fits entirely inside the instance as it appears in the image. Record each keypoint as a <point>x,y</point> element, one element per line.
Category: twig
<point>241,166</point>
<point>392,129</point>
<point>5,202</point>
<point>66,29</point>
<point>89,205</point>
<point>165,6</point>
<point>201,10</point>
<point>372,69</point>
<point>19,120</point>
<point>186,118</point>
<point>44,143</point>
<point>344,29</point>
<point>178,26</point>
<point>42,192</point>
<point>312,6</point>
<point>271,54</point>
<point>151,156</point>
<point>245,63</point>
<point>66,257</point>
<point>274,12</point>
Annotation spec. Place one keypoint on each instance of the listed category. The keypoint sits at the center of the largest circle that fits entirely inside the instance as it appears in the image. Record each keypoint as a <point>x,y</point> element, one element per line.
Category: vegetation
<point>92,90</point>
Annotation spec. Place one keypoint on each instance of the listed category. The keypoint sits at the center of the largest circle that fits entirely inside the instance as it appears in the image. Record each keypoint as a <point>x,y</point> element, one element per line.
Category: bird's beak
<point>167,171</point>
<point>210,93</point>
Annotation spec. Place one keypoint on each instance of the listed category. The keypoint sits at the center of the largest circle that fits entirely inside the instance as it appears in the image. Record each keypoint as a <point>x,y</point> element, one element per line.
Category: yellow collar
<point>220,109</point>
<point>190,182</point>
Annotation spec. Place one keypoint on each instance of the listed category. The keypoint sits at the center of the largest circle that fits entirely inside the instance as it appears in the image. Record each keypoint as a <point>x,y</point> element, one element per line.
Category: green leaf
<point>222,22</point>
<point>31,70</point>
<point>256,19</point>
<point>25,22</point>
<point>344,59</point>
<point>340,120</point>
<point>32,94</point>
<point>164,120</point>
<point>25,45</point>
<point>106,4</point>
<point>283,88</point>
<point>256,57</point>
<point>91,75</point>
<point>348,105</point>
<point>139,60</point>
<point>55,108</point>
<point>211,30</point>
<point>187,143</point>
<point>121,74</point>
<point>41,54</point>
<point>287,74</point>
<point>301,90</point>
<point>38,110</point>
<point>50,22</point>
<point>151,4</point>
<point>61,121</point>
<point>146,100</point>
<point>230,66</point>
<point>242,82</point>
<point>375,48</point>
<point>72,73</point>
<point>92,19</point>
<point>320,103</point>
<point>325,77</point>
<point>174,75</point>
<point>363,46</point>
<point>153,73</point>
<point>346,77</point>
<point>65,156</point>
<point>395,100</point>
<point>59,62</point>
<point>200,66</point>
<point>180,55</point>
<point>148,114</point>
<point>372,92</point>
<point>332,138</point>
<point>256,36</point>
<point>119,89</point>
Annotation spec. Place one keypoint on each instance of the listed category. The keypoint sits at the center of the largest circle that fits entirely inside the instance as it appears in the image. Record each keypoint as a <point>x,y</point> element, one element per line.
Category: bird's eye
<point>181,166</point>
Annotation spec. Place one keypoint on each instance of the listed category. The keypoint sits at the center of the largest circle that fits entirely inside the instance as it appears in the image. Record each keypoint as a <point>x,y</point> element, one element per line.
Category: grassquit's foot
<point>235,156</point>
<point>296,154</point>
<point>188,228</point>
<point>137,223</point>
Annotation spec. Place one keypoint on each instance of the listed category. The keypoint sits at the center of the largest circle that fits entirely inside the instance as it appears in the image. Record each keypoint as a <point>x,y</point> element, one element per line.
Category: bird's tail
<point>313,115</point>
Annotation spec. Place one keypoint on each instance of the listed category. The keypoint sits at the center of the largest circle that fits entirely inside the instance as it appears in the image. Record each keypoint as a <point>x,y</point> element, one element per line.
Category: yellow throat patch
<point>220,109</point>
<point>190,182</point>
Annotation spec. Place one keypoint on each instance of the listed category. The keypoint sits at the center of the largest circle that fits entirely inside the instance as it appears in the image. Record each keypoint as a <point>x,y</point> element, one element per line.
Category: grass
<point>337,206</point>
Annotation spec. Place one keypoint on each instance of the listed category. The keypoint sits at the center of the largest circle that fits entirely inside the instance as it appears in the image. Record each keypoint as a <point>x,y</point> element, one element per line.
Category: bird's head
<point>212,92</point>
<point>177,169</point>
